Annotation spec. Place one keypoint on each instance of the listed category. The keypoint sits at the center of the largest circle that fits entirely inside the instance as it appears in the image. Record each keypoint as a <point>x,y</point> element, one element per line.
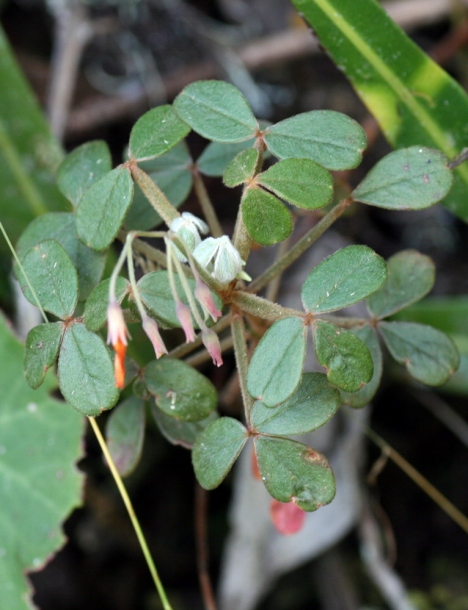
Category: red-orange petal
<point>119,364</point>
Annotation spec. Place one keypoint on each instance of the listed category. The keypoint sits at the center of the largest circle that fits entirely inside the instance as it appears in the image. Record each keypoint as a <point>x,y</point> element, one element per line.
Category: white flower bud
<point>188,228</point>
<point>219,257</point>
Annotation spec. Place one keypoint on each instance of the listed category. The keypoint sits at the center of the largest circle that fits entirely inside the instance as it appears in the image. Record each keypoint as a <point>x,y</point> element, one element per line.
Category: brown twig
<point>201,509</point>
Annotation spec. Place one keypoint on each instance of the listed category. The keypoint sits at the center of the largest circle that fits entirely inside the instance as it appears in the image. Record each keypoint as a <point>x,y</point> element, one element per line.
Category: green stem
<point>155,255</point>
<point>23,179</point>
<point>26,278</point>
<point>131,512</point>
<point>240,350</point>
<point>154,194</point>
<point>300,247</point>
<point>206,204</point>
<point>262,308</point>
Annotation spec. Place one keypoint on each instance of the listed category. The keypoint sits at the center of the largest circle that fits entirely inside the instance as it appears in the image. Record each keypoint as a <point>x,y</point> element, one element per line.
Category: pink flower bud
<point>184,315</point>
<point>205,298</point>
<point>211,342</point>
<point>151,329</point>
<point>117,331</point>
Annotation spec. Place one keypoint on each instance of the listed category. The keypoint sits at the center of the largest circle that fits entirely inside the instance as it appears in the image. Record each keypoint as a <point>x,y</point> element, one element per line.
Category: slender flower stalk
<point>183,312</point>
<point>149,325</point>
<point>209,337</point>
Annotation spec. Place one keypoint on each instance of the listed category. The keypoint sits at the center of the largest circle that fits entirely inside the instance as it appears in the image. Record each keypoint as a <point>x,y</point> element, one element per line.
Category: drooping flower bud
<point>211,342</point>
<point>205,298</point>
<point>117,334</point>
<point>188,228</point>
<point>151,329</point>
<point>184,315</point>
<point>219,257</point>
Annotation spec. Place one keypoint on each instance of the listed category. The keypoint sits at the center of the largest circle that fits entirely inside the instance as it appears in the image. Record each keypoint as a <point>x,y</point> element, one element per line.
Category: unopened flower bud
<point>219,257</point>
<point>211,342</point>
<point>205,298</point>
<point>188,228</point>
<point>151,329</point>
<point>184,315</point>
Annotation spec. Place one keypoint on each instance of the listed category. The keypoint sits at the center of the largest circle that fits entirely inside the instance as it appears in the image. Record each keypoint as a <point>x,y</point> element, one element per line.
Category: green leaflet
<point>82,167</point>
<point>292,471</point>
<point>330,138</point>
<point>267,219</point>
<point>103,207</point>
<point>85,372</point>
<point>156,132</point>
<point>411,276</point>
<point>312,405</point>
<point>407,179</point>
<point>346,358</point>
<point>216,110</point>
<point>53,277</point>
<point>429,354</point>
<point>179,390</point>
<point>216,449</point>
<point>346,277</point>
<point>41,351</point>
<point>275,370</point>
<point>61,227</point>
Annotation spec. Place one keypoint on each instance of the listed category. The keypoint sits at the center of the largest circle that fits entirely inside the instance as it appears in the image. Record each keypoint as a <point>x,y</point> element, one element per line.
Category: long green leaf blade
<point>412,98</point>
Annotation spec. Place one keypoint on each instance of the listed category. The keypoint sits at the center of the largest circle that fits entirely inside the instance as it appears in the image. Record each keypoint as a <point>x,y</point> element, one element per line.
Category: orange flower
<point>117,333</point>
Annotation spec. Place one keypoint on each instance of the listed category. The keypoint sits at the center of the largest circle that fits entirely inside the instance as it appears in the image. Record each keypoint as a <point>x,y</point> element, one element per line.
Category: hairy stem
<point>300,247</point>
<point>242,361</point>
<point>154,194</point>
<point>262,308</point>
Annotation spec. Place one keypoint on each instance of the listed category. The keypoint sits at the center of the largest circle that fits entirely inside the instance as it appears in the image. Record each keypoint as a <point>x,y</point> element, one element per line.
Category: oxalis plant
<point>190,291</point>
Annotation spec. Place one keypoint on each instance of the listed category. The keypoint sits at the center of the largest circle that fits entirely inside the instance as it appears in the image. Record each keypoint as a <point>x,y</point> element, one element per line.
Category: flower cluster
<point>217,256</point>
